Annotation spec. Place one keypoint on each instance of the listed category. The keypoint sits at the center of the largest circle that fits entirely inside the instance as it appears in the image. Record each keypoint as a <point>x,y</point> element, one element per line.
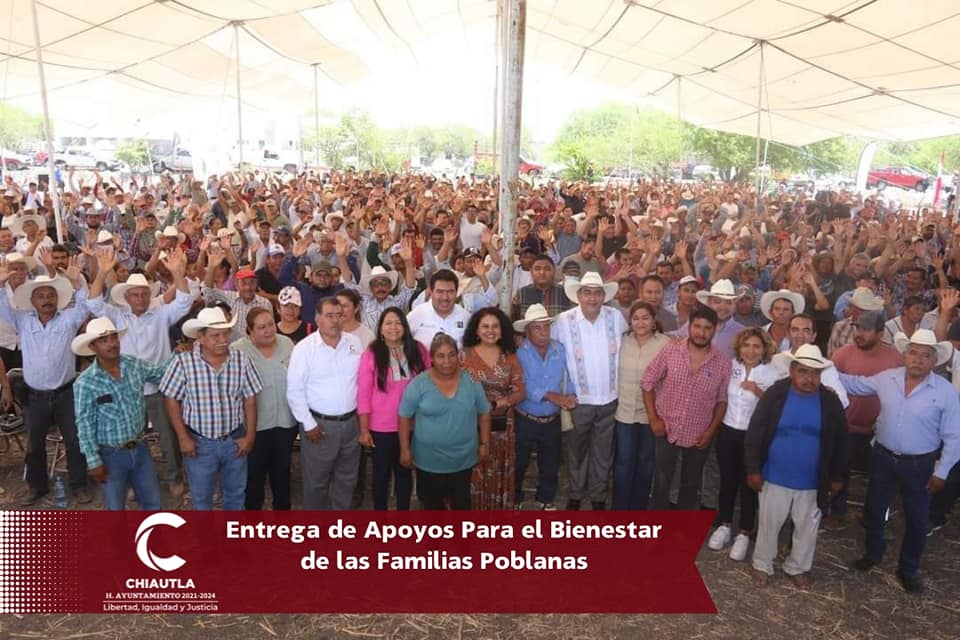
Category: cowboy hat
<point>208,318</point>
<point>535,313</point>
<point>96,329</point>
<point>119,291</point>
<point>16,256</point>
<point>865,300</point>
<point>104,237</point>
<point>171,232</point>
<point>16,225</point>
<point>334,214</point>
<point>926,338</point>
<point>378,273</point>
<point>768,298</point>
<point>590,279</point>
<point>21,297</point>
<point>807,355</point>
<point>721,289</point>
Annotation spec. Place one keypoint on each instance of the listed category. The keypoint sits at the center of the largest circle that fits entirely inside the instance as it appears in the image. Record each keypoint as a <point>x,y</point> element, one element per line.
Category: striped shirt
<point>212,399</point>
<point>553,298</point>
<point>108,411</point>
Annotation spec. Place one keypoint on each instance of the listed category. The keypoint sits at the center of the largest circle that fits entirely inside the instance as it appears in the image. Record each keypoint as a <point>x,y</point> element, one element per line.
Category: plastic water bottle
<point>59,493</point>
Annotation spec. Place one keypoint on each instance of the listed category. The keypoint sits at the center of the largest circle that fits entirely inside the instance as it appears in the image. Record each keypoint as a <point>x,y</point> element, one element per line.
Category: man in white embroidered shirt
<point>322,392</point>
<point>591,334</point>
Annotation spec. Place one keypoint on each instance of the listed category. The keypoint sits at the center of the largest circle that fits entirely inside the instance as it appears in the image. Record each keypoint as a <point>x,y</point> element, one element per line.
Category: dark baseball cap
<point>871,321</point>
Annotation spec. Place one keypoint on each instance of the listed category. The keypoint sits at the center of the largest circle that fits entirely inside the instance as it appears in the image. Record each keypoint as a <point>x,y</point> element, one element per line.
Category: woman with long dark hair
<point>490,357</point>
<point>386,367</point>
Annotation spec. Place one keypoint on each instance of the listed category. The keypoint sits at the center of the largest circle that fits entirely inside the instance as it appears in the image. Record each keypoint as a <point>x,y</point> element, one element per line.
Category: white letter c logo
<point>142,539</point>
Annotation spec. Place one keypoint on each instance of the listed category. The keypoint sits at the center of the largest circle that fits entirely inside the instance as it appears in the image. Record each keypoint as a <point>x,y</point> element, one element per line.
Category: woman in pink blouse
<point>386,367</point>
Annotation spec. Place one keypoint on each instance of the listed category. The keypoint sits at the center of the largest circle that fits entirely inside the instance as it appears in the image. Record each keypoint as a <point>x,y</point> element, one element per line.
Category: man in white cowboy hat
<point>19,266</point>
<point>917,443</point>
<point>377,287</point>
<point>548,390</point>
<point>109,403</point>
<point>146,323</point>
<point>722,298</point>
<point>591,334</point>
<point>863,300</point>
<point>778,307</point>
<point>794,455</point>
<point>211,400</point>
<point>39,312</point>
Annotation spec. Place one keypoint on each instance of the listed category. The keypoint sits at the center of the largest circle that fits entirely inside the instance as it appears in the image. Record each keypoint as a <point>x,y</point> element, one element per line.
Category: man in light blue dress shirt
<point>919,421</point>
<point>46,328</point>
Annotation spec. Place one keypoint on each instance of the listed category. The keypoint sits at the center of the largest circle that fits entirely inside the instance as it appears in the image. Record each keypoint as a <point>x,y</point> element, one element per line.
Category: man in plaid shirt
<point>111,410</point>
<point>210,395</point>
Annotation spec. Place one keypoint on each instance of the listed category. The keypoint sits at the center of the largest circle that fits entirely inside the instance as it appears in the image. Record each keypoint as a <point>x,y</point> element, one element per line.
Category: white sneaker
<point>720,538</point>
<point>738,551</point>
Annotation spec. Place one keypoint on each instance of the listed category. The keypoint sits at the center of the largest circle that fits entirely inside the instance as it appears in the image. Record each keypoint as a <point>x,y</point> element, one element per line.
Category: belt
<point>63,387</point>
<point>129,444</point>
<point>906,456</point>
<point>343,417</point>
<point>538,419</point>
<point>223,437</point>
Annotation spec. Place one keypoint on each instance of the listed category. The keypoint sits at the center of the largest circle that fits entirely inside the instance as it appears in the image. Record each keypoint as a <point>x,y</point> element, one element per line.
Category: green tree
<point>17,126</point>
<point>134,152</point>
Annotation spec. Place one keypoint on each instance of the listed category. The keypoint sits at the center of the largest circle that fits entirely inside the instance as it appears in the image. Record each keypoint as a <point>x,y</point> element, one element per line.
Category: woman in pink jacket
<point>386,367</point>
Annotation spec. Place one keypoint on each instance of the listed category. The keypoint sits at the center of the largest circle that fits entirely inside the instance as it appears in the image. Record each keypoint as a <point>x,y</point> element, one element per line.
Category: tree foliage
<point>134,152</point>
<point>17,126</point>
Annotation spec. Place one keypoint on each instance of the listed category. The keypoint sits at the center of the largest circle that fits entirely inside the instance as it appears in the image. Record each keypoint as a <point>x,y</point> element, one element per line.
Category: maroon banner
<point>352,562</point>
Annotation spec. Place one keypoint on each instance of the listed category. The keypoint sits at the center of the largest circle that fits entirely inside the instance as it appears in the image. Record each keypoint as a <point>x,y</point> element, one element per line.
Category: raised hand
<point>406,250</point>
<point>46,257</point>
<point>301,245</point>
<point>342,245</point>
<point>106,259</point>
<point>73,272</point>
<point>176,262</point>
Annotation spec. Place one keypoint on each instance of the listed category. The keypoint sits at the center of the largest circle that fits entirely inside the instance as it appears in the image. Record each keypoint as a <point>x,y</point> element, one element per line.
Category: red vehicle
<point>903,177</point>
<point>531,169</point>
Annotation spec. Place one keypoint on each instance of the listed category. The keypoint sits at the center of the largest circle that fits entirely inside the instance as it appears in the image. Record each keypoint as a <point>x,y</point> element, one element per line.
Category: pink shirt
<point>863,410</point>
<point>382,406</point>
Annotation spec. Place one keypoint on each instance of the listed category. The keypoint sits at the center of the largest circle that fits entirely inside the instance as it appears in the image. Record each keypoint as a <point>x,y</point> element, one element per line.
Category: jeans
<point>633,466</point>
<point>130,468</point>
<point>271,455</point>
<point>691,474</point>
<point>436,490</point>
<point>43,409</point>
<point>733,480</point>
<point>909,475</point>
<point>544,438</point>
<point>943,502</point>
<point>858,457</point>
<point>215,456</point>
<point>157,415</point>
<point>386,463</point>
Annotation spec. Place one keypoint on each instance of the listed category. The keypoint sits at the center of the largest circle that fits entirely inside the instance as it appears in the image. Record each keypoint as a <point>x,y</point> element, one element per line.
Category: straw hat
<point>119,291</point>
<point>170,232</point>
<point>768,298</point>
<point>535,313</point>
<point>809,356</point>
<point>865,300</point>
<point>721,289</point>
<point>926,338</point>
<point>16,256</point>
<point>16,225</point>
<point>21,297</point>
<point>208,318</point>
<point>96,328</point>
<point>590,279</point>
<point>378,273</point>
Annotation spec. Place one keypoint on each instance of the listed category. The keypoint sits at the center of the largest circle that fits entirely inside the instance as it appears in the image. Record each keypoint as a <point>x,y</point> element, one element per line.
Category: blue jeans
<point>215,456</point>
<point>910,475</point>
<point>126,468</point>
<point>545,438</point>
<point>633,466</point>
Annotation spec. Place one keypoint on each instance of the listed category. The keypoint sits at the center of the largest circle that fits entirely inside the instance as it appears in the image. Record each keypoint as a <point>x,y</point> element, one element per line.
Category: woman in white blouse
<point>751,375</point>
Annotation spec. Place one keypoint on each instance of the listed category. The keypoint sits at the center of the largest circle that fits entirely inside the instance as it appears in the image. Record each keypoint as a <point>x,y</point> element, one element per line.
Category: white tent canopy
<point>876,68</point>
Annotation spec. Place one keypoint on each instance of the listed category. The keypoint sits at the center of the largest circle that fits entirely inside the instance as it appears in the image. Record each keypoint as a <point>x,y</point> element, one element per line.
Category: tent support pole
<point>514,17</point>
<point>236,49</point>
<point>680,121</point>
<point>497,40</point>
<point>52,187</point>
<point>316,117</point>
<point>759,121</point>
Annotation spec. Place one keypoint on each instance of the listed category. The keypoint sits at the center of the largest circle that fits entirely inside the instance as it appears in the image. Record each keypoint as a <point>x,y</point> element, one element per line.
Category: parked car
<point>182,161</point>
<point>274,162</point>
<point>903,177</point>
<point>531,169</point>
<point>14,161</point>
<point>80,158</point>
<point>704,172</point>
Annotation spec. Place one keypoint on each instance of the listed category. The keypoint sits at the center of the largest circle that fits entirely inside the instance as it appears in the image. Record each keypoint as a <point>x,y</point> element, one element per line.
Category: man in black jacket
<point>794,456</point>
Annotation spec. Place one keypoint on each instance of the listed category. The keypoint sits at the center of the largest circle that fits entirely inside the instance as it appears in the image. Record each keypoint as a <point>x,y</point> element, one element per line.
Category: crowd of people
<point>669,345</point>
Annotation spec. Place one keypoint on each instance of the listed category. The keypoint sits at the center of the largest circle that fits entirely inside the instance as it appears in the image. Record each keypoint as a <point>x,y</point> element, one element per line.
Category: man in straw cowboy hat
<point>377,287</point>
<point>38,311</point>
<point>722,298</point>
<point>133,307</point>
<point>778,307</point>
<point>548,390</point>
<point>211,399</point>
<point>591,334</point>
<point>794,457</point>
<point>862,301</point>
<point>917,443</point>
<point>109,403</point>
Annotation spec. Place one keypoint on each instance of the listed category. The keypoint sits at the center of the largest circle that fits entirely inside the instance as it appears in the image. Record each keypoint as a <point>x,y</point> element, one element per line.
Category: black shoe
<point>573,505</point>
<point>598,505</point>
<point>33,497</point>
<point>911,584</point>
<point>82,495</point>
<point>865,564</point>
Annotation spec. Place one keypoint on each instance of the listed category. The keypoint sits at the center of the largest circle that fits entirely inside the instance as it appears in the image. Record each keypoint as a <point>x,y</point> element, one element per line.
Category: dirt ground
<point>842,604</point>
